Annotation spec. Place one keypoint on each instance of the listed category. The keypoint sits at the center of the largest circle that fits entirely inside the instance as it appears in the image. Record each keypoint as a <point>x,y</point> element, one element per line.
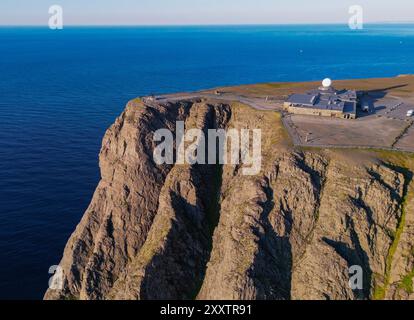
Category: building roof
<point>343,101</point>
<point>305,99</point>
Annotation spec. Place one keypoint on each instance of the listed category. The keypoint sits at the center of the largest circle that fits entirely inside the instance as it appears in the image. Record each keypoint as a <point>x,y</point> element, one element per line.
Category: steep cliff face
<point>210,232</point>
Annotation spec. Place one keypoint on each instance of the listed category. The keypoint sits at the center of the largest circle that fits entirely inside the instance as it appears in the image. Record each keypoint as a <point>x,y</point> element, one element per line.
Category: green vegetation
<point>407,282</point>
<point>379,293</point>
<point>397,158</point>
<point>275,85</point>
<point>152,245</point>
<point>402,163</point>
<point>136,100</point>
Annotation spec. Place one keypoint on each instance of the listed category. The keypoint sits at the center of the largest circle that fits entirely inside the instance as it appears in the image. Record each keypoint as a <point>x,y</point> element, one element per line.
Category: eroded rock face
<point>210,232</point>
<point>116,224</point>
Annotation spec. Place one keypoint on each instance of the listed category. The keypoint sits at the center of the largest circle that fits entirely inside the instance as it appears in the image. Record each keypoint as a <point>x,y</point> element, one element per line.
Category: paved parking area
<point>386,125</point>
<point>374,132</point>
<point>392,107</point>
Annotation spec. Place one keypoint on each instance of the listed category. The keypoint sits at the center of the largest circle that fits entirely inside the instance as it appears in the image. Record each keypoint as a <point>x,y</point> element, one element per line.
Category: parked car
<point>365,108</point>
<point>410,113</point>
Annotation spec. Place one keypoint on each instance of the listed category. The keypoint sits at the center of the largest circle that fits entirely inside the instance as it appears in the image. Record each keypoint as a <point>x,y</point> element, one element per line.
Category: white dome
<point>326,83</point>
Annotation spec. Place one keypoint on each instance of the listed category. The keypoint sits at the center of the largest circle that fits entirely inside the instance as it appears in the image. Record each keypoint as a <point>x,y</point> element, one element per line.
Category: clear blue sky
<point>149,12</point>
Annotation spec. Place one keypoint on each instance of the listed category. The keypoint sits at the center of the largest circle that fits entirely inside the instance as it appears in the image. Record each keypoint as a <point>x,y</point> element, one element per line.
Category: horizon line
<point>208,24</point>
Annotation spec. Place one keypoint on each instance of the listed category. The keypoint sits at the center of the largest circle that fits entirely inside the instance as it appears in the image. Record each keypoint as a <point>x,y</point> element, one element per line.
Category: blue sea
<point>60,90</point>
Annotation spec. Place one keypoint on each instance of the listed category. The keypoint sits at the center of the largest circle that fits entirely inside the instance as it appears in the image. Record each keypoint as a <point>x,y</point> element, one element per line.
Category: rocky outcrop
<point>209,232</point>
<point>116,224</point>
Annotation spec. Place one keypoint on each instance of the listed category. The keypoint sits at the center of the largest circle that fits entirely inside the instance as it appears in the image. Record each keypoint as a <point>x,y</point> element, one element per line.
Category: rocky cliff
<point>210,232</point>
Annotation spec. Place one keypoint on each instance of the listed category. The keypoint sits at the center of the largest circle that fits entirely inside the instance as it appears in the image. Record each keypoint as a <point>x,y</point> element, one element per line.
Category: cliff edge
<point>209,232</point>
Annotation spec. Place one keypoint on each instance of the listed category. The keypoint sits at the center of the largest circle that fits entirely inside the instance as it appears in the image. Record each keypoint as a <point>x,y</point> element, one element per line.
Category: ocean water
<point>60,90</point>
